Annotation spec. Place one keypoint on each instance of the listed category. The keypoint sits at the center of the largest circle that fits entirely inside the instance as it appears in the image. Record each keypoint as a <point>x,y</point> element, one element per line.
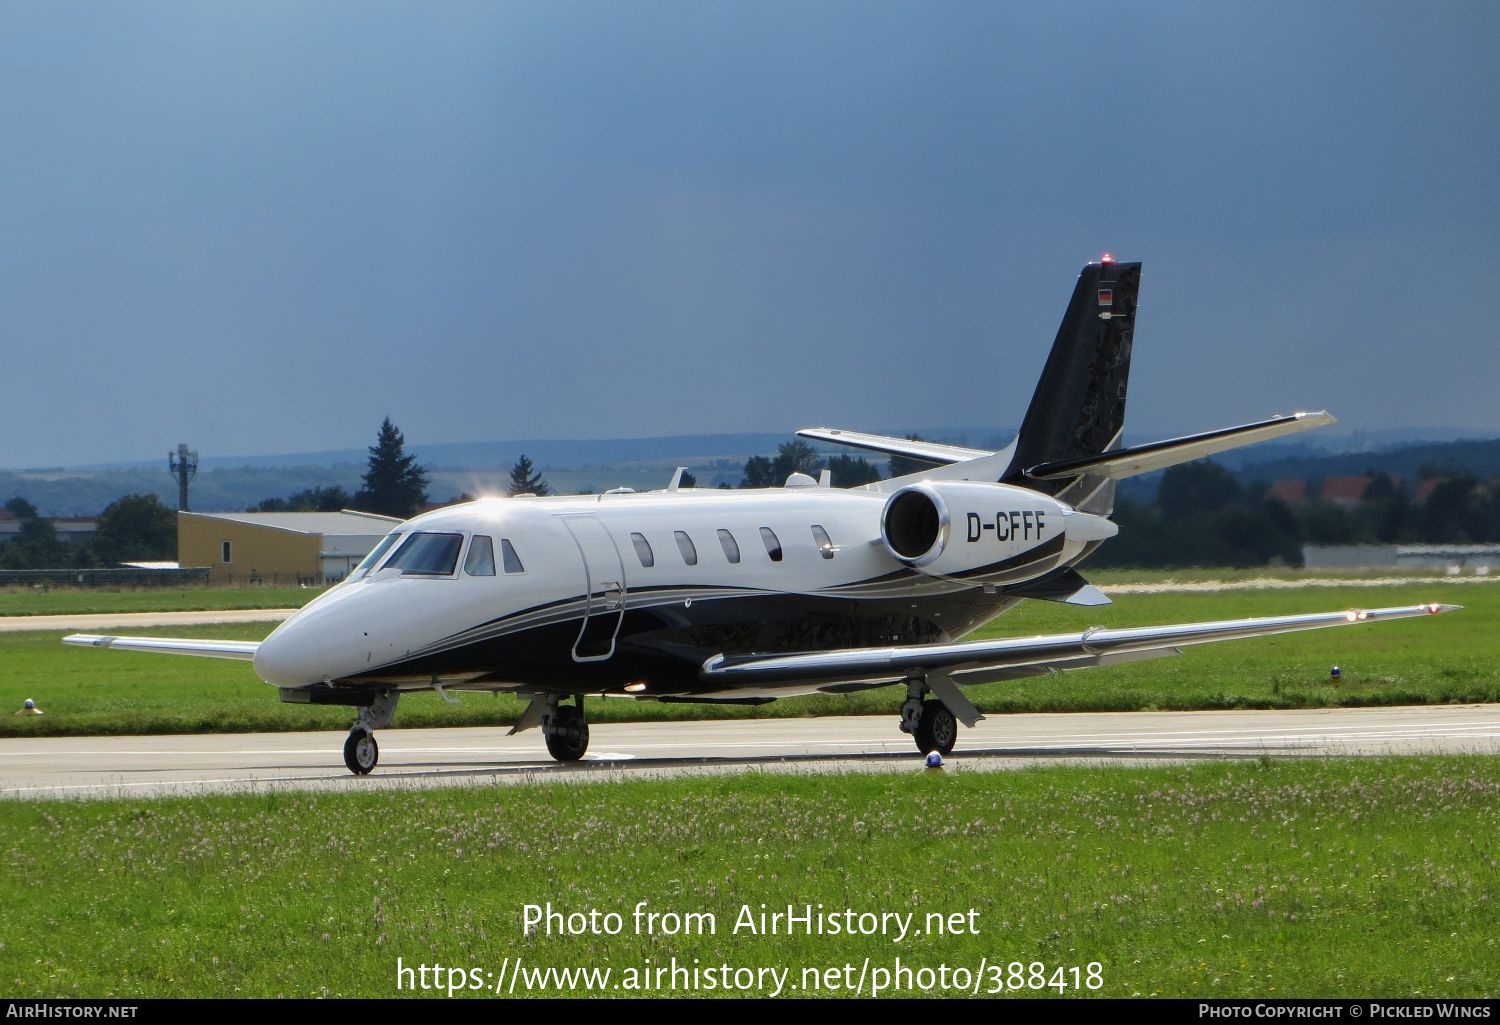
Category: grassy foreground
<point>1339,878</point>
<point>1444,659</point>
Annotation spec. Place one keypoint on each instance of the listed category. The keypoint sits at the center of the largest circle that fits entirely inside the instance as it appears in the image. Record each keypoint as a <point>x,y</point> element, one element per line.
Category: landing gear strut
<point>566,730</point>
<point>929,721</point>
<point>361,753</point>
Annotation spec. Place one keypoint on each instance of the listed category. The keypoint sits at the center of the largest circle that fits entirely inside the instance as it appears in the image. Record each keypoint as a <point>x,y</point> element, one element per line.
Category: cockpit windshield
<point>427,554</point>
<point>376,554</point>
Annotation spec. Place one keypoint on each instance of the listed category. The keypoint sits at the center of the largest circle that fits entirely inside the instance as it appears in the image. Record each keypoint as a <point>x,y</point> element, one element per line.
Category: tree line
<point>139,527</point>
<point>1203,516</point>
<point>135,528</point>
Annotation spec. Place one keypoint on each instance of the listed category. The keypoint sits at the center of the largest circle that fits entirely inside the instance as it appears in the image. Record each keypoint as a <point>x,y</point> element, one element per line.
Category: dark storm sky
<point>261,227</point>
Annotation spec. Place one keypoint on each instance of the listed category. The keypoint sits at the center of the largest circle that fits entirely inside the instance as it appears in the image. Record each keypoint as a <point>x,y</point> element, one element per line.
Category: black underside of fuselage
<point>660,648</point>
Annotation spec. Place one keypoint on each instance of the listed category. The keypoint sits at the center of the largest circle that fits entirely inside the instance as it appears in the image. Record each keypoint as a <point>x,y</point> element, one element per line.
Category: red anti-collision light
<point>1107,258</point>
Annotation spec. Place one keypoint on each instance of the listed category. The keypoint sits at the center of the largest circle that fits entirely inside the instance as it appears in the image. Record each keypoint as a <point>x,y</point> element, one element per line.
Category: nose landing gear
<point>361,753</point>
<point>566,730</point>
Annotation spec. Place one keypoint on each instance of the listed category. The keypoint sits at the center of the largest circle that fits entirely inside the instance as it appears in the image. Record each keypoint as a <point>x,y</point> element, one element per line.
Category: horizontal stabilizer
<point>1127,462</point>
<point>1049,651</point>
<point>244,650</point>
<point>926,451</point>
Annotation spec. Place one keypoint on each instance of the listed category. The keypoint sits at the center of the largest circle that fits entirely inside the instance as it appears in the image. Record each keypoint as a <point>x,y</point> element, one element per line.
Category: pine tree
<point>394,485</point>
<point>524,482</point>
<point>900,466</point>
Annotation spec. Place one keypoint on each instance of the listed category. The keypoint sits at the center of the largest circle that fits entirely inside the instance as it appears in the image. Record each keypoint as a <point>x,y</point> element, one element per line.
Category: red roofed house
<point>1348,492</point>
<point>1292,492</point>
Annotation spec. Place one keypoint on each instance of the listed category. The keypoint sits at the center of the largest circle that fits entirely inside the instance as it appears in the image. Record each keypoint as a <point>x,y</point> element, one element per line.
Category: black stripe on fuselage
<point>664,647</point>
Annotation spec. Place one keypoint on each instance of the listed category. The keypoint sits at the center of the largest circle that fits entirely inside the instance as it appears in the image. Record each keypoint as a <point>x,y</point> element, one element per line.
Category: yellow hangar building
<point>278,547</point>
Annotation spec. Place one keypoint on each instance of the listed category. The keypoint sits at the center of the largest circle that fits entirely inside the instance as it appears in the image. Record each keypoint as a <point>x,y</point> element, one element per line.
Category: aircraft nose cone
<point>290,657</point>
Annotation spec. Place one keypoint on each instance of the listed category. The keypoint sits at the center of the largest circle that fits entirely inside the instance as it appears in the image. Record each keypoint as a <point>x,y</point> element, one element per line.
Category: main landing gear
<point>929,721</point>
<point>565,729</point>
<point>361,753</point>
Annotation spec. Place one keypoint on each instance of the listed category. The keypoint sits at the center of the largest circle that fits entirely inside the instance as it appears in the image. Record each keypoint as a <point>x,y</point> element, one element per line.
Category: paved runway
<point>89,622</point>
<point>185,765</point>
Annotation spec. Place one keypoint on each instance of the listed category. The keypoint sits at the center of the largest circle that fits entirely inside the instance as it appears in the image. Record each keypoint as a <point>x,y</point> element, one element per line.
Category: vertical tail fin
<point>1078,409</point>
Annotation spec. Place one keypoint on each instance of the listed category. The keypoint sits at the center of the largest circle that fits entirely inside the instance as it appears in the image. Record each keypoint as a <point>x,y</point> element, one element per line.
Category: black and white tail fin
<point>1078,408</point>
<point>1069,445</point>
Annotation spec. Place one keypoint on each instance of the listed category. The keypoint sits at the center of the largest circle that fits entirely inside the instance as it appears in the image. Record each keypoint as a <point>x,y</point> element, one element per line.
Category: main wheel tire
<point>360,751</point>
<point>938,730</point>
<point>569,738</point>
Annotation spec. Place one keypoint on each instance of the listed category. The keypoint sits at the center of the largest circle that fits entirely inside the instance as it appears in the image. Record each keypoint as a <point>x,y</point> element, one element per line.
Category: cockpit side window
<point>426,554</point>
<point>370,561</point>
<point>481,559</point>
<point>511,559</point>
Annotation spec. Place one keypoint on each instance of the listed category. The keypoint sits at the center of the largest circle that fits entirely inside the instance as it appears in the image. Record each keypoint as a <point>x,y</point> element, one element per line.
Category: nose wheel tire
<point>568,738</point>
<point>360,751</point>
<point>938,729</point>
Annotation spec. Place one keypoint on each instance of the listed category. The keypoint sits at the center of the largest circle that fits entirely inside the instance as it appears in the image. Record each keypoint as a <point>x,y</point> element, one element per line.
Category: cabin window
<point>823,541</point>
<point>772,542</point>
<point>731,546</point>
<point>508,555</point>
<point>643,550</point>
<point>424,554</point>
<point>370,561</point>
<point>224,552</point>
<point>686,547</point>
<point>481,560</point>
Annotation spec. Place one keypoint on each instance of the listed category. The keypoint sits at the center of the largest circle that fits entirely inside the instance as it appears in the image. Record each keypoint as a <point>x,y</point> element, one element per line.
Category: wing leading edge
<point>242,650</point>
<point>990,659</point>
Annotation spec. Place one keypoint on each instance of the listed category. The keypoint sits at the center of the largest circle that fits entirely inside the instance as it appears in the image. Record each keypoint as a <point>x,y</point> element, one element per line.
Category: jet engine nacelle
<point>978,531</point>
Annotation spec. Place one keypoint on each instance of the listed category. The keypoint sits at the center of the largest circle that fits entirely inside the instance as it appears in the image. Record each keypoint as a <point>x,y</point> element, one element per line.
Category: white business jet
<point>746,596</point>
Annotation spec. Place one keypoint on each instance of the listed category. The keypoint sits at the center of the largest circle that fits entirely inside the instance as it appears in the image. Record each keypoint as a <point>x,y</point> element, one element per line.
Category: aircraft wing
<point>992,659</point>
<point>244,650</point>
<point>927,451</point>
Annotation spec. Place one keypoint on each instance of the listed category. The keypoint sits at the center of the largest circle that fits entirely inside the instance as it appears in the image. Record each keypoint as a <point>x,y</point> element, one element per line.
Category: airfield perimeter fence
<point>122,577</point>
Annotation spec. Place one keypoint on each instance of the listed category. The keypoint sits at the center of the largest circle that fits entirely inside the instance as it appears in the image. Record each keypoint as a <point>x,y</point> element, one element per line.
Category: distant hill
<point>1302,462</point>
<point>642,463</point>
<point>570,466</point>
<point>1477,457</point>
<point>567,452</point>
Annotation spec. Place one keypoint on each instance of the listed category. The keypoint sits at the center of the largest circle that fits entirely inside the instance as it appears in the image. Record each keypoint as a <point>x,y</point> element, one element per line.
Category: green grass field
<point>1450,658</point>
<point>1268,878</point>
<point>1298,879</point>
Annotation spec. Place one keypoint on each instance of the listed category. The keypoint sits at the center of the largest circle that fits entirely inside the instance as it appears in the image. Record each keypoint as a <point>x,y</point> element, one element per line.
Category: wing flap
<point>993,674</point>
<point>243,650</point>
<point>1071,650</point>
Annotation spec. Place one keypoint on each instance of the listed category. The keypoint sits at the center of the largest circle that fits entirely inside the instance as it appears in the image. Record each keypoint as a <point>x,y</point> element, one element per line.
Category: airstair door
<point>604,605</point>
